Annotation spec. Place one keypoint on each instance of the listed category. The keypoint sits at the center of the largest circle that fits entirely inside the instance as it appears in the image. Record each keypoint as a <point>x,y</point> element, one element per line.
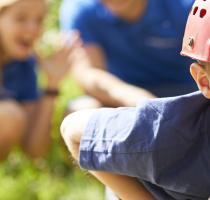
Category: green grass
<point>53,178</point>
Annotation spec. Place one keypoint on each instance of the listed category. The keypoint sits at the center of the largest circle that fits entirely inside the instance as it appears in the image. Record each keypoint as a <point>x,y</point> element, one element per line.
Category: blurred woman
<point>25,113</point>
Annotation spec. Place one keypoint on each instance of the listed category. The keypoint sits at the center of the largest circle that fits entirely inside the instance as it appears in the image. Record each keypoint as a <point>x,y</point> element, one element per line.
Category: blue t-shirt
<point>145,53</point>
<point>20,81</point>
<point>165,143</point>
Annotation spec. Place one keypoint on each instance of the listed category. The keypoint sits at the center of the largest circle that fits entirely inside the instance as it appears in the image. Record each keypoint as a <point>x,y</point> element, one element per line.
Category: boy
<point>162,143</point>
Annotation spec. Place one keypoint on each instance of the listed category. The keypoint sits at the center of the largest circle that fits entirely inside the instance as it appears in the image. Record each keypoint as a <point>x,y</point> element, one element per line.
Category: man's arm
<point>89,69</point>
<point>125,187</point>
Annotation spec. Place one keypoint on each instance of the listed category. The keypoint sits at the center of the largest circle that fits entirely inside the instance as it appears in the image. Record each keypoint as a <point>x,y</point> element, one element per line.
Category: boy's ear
<point>200,76</point>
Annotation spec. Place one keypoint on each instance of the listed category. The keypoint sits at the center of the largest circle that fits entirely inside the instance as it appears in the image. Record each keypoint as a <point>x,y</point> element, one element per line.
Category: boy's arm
<point>125,187</point>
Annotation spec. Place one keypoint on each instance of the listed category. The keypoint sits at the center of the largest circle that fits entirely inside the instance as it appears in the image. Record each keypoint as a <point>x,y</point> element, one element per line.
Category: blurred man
<point>131,48</point>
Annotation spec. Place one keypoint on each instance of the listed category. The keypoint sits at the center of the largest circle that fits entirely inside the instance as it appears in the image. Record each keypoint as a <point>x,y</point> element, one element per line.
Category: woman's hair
<point>6,3</point>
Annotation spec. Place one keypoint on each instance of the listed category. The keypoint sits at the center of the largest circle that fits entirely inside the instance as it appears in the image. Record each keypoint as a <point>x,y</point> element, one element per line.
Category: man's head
<point>127,9</point>
<point>196,44</point>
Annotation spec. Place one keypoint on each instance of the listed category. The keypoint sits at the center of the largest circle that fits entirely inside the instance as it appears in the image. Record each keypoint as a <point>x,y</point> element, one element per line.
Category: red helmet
<point>196,42</point>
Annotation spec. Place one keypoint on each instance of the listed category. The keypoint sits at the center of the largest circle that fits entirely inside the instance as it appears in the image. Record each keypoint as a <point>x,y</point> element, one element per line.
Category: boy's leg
<point>125,187</point>
<point>12,124</point>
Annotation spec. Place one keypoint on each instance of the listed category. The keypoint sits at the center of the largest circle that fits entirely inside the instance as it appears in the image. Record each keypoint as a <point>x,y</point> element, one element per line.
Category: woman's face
<point>20,26</point>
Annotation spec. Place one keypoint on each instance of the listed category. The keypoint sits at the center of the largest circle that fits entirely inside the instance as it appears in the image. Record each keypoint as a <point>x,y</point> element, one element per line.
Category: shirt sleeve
<point>78,15</point>
<point>121,141</point>
<point>28,89</point>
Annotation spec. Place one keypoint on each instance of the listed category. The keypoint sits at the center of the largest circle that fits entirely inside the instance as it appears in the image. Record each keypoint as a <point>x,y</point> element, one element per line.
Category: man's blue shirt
<point>19,79</point>
<point>145,53</point>
<point>165,143</point>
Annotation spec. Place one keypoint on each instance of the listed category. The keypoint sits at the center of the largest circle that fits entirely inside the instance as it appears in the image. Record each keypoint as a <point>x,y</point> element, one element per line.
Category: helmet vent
<point>203,13</point>
<point>195,10</point>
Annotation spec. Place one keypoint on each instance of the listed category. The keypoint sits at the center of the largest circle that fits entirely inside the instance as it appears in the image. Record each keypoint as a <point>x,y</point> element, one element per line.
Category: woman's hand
<point>57,66</point>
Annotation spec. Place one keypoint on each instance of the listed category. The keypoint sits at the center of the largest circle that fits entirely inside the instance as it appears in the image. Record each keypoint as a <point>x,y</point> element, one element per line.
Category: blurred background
<point>54,178</point>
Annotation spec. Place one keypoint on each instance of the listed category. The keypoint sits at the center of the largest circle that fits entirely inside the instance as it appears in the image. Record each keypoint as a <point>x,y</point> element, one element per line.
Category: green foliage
<point>21,178</point>
<point>52,21</point>
<point>53,178</point>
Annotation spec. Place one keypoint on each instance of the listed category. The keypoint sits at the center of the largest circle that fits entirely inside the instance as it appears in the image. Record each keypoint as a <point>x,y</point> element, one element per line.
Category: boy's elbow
<point>72,129</point>
<point>63,128</point>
